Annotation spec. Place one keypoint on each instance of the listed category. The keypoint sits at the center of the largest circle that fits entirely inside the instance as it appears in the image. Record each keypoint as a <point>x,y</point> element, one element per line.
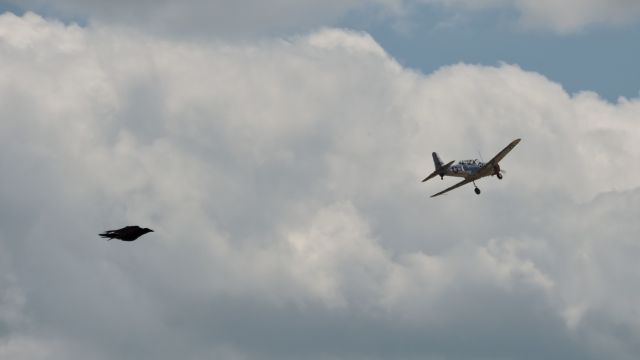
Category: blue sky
<point>603,59</point>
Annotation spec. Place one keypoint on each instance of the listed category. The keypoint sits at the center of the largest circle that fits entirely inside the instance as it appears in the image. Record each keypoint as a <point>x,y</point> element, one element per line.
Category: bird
<point>127,233</point>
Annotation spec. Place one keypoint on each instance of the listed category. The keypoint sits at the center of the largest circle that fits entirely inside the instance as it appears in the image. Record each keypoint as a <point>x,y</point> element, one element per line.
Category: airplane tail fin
<point>441,168</point>
<point>437,162</point>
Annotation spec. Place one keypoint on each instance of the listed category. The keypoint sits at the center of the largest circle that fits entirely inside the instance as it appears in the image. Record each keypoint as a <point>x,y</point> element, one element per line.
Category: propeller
<point>497,170</point>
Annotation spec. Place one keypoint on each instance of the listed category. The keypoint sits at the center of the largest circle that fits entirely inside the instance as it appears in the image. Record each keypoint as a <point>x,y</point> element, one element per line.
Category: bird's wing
<point>129,230</point>
<point>463,182</point>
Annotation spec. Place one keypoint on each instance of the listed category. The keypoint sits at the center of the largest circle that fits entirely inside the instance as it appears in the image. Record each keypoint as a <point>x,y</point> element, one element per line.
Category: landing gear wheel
<point>499,176</point>
<point>477,191</point>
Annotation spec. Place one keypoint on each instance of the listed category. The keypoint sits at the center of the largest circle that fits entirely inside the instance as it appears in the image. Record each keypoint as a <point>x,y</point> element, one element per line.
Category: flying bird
<point>127,233</point>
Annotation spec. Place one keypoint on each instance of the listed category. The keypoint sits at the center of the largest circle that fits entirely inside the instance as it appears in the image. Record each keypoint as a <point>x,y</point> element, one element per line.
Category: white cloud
<point>282,179</point>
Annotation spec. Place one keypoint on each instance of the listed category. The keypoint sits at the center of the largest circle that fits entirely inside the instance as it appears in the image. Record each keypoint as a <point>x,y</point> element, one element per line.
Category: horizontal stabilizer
<point>441,171</point>
<point>445,167</point>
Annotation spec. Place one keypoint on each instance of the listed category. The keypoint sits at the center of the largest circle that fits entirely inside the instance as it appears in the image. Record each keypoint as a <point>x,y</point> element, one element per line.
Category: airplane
<point>470,170</point>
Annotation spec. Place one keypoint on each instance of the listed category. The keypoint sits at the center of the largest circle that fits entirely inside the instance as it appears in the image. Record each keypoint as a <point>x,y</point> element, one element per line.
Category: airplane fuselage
<point>464,168</point>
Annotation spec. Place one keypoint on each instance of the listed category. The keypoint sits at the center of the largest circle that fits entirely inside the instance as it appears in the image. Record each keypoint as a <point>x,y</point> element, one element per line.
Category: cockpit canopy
<point>470,162</point>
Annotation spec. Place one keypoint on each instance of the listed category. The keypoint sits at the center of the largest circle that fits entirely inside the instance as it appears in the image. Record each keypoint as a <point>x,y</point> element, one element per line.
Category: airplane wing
<point>488,166</point>
<point>463,182</point>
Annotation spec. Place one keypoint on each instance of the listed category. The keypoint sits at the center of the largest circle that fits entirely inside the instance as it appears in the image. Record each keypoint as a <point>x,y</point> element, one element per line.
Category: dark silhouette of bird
<point>127,233</point>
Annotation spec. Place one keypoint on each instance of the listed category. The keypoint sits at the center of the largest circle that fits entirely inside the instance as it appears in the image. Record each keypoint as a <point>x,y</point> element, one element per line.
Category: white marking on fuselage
<point>464,168</point>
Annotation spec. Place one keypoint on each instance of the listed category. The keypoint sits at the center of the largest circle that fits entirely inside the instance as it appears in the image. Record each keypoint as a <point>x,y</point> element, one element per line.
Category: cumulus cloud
<point>282,179</point>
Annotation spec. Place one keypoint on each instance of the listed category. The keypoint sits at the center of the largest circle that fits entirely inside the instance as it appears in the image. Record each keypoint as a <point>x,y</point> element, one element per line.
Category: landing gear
<point>476,190</point>
<point>499,176</point>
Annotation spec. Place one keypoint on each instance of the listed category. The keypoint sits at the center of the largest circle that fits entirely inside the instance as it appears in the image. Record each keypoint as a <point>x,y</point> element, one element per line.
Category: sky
<point>277,148</point>
<point>598,58</point>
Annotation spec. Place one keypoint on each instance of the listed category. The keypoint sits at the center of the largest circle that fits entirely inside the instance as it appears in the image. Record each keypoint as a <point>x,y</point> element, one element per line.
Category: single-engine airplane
<point>470,170</point>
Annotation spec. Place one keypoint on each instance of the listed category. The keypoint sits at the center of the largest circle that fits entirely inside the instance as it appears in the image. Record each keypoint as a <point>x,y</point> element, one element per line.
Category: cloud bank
<point>282,180</point>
